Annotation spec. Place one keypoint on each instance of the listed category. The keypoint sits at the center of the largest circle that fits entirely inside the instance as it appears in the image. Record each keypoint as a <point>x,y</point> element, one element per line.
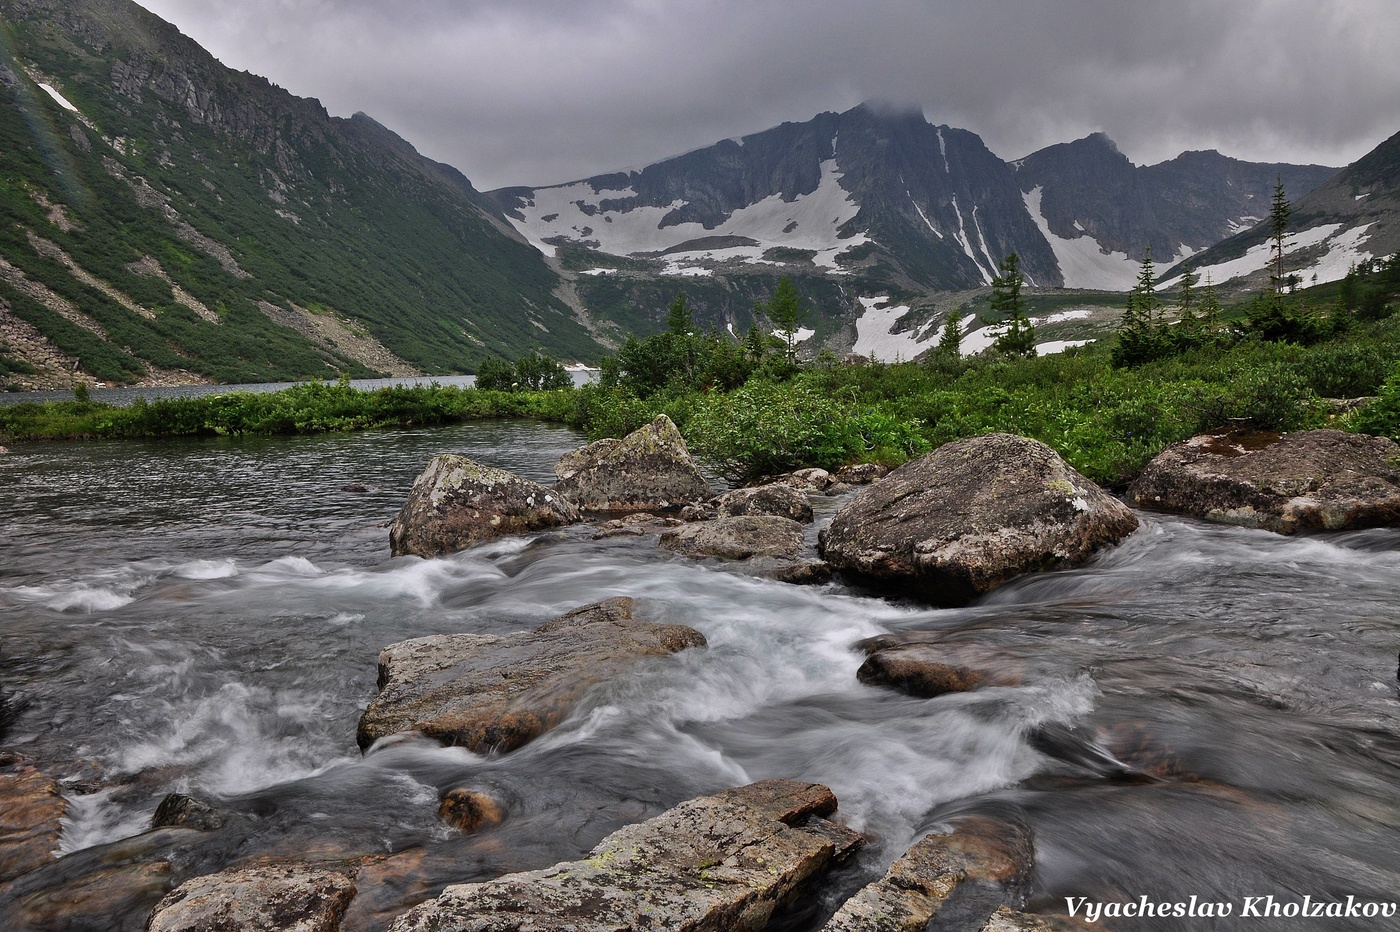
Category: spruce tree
<point>950,342</point>
<point>786,313</point>
<point>1280,211</point>
<point>1210,306</point>
<point>679,319</point>
<point>1141,336</point>
<point>1018,339</point>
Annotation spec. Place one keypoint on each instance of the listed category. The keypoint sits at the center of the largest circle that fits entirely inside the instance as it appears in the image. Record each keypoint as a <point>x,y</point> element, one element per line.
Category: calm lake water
<point>205,617</point>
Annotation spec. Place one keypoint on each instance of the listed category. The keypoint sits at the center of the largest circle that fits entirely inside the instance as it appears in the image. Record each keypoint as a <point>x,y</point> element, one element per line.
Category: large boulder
<point>487,691</point>
<point>736,538</point>
<point>775,498</point>
<point>457,502</point>
<point>722,863</point>
<point>971,515</point>
<point>648,470</point>
<point>267,898</point>
<point>1312,480</point>
<point>975,870</point>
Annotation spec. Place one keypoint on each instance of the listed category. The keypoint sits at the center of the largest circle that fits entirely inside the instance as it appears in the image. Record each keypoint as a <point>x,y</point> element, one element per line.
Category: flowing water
<point>1202,711</point>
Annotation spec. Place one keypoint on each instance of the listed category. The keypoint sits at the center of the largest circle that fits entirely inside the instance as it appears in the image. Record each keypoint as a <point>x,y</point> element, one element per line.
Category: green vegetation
<point>1018,338</point>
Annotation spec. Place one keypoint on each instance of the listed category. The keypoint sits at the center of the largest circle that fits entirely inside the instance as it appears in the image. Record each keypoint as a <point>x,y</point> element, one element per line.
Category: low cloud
<point>547,91</point>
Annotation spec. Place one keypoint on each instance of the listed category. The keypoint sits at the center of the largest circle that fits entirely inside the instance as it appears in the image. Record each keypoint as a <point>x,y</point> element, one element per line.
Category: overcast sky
<point>543,91</point>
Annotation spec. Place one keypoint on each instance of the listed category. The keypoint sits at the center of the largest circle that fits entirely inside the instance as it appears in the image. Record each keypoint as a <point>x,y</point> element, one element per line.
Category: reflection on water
<point>205,617</point>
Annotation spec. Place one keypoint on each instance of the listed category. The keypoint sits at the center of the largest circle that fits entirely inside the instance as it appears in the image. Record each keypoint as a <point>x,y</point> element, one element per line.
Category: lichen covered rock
<point>722,863</point>
<point>648,470</point>
<point>488,692</point>
<point>287,897</point>
<point>774,498</point>
<point>457,502</point>
<point>971,515</point>
<point>737,538</point>
<point>1313,480</point>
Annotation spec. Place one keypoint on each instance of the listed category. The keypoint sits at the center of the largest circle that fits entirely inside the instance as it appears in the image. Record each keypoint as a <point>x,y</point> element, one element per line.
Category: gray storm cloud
<point>548,91</point>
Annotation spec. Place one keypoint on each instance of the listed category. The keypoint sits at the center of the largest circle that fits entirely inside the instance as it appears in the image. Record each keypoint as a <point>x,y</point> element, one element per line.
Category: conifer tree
<point>1018,339</point>
<point>786,313</point>
<point>679,320</point>
<point>1280,211</point>
<point>950,342</point>
<point>1210,306</point>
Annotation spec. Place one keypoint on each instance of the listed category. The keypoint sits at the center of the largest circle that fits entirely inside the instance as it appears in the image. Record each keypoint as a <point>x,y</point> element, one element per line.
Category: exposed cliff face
<point>334,245</point>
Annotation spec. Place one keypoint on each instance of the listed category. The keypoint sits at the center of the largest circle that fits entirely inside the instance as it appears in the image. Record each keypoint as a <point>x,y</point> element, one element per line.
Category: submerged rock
<point>287,897</point>
<point>177,809</point>
<point>1312,480</point>
<point>650,469</point>
<point>31,813</point>
<point>926,670</point>
<point>736,538</point>
<point>457,502</point>
<point>634,525</point>
<point>497,692</point>
<point>983,865</point>
<point>470,810</point>
<point>973,514</point>
<point>722,863</point>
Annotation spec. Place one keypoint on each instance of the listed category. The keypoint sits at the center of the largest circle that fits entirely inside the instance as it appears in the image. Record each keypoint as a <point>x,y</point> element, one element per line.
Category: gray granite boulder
<point>648,470</point>
<point>1312,480</point>
<point>973,514</point>
<point>775,498</point>
<point>722,863</point>
<point>736,538</point>
<point>287,897</point>
<point>487,691</point>
<point>457,502</point>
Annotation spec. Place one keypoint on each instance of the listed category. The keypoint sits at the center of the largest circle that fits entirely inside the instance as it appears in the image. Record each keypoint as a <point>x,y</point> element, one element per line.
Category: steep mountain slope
<point>881,207</point>
<point>166,218</point>
<point>1099,211</point>
<point>1353,218</point>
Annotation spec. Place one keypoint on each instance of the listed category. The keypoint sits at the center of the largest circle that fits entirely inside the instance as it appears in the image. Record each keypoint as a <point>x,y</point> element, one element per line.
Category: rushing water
<point>205,617</point>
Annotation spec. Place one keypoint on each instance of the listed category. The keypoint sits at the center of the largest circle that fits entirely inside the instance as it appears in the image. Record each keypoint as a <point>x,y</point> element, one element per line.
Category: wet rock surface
<point>31,811</point>
<point>1314,480</point>
<point>499,691</point>
<point>648,470</point>
<point>926,670</point>
<point>267,898</point>
<point>736,538</point>
<point>721,863</point>
<point>634,525</point>
<point>972,515</point>
<point>960,879</point>
<point>470,810</point>
<point>457,502</point>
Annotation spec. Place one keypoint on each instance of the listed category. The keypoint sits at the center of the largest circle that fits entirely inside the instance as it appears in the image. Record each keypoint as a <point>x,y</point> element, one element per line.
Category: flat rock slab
<point>457,502</point>
<point>973,514</point>
<point>31,811</point>
<point>966,875</point>
<point>1312,480</point>
<point>648,470</point>
<point>496,692</point>
<point>267,898</point>
<point>736,538</point>
<point>722,863</point>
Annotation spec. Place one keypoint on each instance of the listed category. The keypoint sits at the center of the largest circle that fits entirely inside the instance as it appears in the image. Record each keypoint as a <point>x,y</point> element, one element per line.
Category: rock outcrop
<point>737,538</point>
<point>974,871</point>
<point>971,515</point>
<point>488,691</point>
<point>1313,480</point>
<point>287,897</point>
<point>648,470</point>
<point>457,502</point>
<point>722,863</point>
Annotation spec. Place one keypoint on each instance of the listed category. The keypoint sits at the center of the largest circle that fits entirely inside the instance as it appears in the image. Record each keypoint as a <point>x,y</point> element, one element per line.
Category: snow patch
<point>1060,317</point>
<point>873,336</point>
<point>1083,263</point>
<point>1360,196</point>
<point>598,272</point>
<point>59,98</point>
<point>576,213</point>
<point>1058,346</point>
<point>802,334</point>
<point>923,216</point>
<point>961,237</point>
<point>943,151</point>
<point>1242,224</point>
<point>1342,250</point>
